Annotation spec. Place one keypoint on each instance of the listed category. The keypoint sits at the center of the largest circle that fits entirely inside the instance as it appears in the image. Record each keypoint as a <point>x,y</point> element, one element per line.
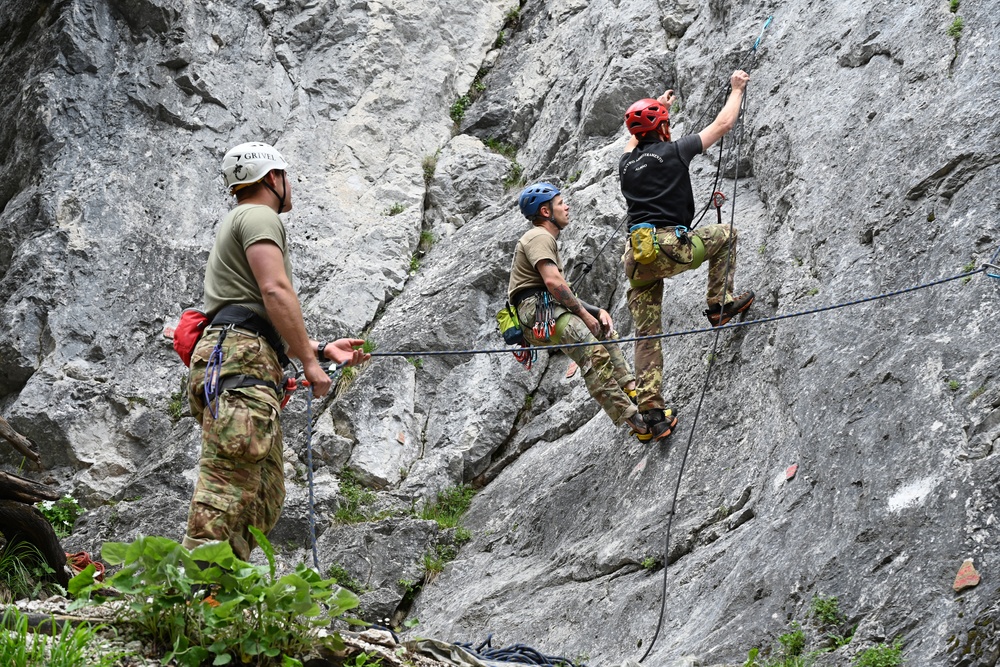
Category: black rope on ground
<point>519,653</point>
<point>688,332</point>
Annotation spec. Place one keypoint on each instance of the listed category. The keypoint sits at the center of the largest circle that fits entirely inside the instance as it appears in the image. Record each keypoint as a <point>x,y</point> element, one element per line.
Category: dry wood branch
<point>19,442</point>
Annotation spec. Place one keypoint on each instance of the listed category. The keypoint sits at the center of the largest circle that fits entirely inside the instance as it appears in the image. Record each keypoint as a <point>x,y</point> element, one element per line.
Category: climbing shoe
<point>719,315</point>
<point>660,422</point>
<point>638,426</point>
<point>633,395</point>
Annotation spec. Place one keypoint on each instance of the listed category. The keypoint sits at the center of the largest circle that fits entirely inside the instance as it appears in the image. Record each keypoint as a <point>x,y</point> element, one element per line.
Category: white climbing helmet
<point>250,162</point>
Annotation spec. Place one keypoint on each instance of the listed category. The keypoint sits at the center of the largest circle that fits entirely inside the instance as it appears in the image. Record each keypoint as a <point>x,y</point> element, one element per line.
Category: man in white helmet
<point>256,320</point>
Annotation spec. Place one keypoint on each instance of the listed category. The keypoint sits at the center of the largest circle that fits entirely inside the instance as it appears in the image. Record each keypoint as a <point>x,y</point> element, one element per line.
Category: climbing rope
<point>519,653</point>
<point>691,332</point>
<point>735,150</point>
<point>333,372</point>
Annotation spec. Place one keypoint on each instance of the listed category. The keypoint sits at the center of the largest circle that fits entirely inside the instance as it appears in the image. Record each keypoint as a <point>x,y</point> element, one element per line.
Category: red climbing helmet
<point>645,116</point>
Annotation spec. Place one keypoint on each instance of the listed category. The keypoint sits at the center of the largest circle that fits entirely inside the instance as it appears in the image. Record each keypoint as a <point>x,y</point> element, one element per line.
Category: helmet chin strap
<point>281,198</point>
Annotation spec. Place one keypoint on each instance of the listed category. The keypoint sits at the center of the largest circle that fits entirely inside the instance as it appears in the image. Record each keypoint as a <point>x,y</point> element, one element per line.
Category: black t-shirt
<point>656,183</point>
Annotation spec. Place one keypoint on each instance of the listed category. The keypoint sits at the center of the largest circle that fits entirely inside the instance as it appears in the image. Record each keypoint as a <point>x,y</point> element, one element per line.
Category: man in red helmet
<point>657,189</point>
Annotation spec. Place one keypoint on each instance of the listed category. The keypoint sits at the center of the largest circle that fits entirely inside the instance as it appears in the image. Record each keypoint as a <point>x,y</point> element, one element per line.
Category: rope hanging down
<point>735,150</point>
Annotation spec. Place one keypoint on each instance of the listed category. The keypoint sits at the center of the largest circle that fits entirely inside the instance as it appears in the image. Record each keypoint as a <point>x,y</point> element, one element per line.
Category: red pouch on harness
<point>187,333</point>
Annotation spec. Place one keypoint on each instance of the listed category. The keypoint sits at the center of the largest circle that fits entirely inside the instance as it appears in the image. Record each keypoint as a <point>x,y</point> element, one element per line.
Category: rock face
<point>866,160</point>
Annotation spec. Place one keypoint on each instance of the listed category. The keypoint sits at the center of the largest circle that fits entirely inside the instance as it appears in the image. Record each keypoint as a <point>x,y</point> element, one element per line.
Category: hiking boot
<point>718,316</point>
<point>660,422</point>
<point>638,426</point>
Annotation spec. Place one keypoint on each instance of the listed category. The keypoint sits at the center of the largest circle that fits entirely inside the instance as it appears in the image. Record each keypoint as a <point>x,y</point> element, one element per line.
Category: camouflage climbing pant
<point>241,479</point>
<point>645,296</point>
<point>604,368</point>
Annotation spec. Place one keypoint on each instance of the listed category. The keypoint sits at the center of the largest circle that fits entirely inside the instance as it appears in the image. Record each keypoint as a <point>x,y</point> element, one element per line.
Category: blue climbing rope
<point>519,653</point>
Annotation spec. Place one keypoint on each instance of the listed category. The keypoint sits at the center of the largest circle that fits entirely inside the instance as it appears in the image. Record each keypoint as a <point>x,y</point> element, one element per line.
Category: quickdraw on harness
<point>545,321</point>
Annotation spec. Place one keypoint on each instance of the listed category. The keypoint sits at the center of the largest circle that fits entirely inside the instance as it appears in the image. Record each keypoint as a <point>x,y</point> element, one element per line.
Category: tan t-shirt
<point>228,277</point>
<point>536,244</point>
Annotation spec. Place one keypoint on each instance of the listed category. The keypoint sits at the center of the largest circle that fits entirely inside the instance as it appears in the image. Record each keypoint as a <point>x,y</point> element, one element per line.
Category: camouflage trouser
<point>604,368</point>
<point>241,479</point>
<point>645,296</point>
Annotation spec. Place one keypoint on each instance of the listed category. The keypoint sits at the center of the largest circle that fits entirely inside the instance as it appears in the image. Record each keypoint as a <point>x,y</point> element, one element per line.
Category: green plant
<point>529,400</point>
<point>574,177</point>
<point>826,610</point>
<point>881,655</point>
<point>970,266</point>
<point>462,535</point>
<point>72,647</point>
<point>840,640</point>
<point>395,209</point>
<point>515,177</point>
<point>752,658</point>
<point>427,239</point>
<point>23,572</point>
<point>429,165</point>
<point>955,29</point>
<point>363,660</point>
<point>339,573</point>
<point>457,111</point>
<point>762,249</point>
<point>649,562</point>
<point>175,408</point>
<point>434,561</point>
<point>930,217</point>
<point>954,385</point>
<point>953,5</point>
<point>414,264</point>
<point>813,291</point>
<point>62,513</point>
<point>500,40</point>
<point>449,506</point>
<point>793,642</point>
<point>356,498</point>
<point>408,585</point>
<point>416,362</point>
<point>259,618</point>
<point>513,16</point>
<point>977,392</point>
<point>501,147</point>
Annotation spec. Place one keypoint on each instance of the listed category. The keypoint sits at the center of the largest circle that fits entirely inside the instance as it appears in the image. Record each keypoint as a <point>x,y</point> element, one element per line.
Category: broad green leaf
<point>113,553</point>
<point>218,553</point>
<point>265,546</point>
<point>222,659</point>
<point>84,579</point>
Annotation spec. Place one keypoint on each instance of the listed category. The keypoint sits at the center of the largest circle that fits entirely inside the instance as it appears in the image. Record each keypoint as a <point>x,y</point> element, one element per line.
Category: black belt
<point>244,318</point>
<point>520,295</point>
<point>243,380</point>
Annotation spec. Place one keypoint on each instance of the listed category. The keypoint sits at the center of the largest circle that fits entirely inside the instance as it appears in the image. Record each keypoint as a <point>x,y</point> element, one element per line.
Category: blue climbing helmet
<point>533,196</point>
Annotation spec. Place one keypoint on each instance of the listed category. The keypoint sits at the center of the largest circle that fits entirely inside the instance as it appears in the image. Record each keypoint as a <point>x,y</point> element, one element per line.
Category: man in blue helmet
<point>551,314</point>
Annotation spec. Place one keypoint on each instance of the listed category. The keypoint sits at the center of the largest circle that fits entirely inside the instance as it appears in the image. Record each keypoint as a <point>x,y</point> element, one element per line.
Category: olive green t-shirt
<point>536,244</point>
<point>228,277</point>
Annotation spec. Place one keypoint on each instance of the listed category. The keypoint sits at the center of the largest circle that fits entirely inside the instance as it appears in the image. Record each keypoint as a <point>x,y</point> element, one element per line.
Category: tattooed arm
<point>559,289</point>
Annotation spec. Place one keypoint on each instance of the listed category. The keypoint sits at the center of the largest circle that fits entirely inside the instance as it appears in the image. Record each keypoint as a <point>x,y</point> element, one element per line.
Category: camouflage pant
<point>645,296</point>
<point>241,479</point>
<point>604,368</point>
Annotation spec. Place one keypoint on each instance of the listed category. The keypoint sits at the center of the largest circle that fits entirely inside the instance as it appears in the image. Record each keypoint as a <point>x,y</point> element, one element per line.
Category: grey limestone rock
<point>867,160</point>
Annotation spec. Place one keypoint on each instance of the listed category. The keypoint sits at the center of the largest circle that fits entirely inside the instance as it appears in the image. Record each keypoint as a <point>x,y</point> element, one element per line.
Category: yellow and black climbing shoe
<point>638,427</point>
<point>718,316</point>
<point>633,395</point>
<point>660,422</point>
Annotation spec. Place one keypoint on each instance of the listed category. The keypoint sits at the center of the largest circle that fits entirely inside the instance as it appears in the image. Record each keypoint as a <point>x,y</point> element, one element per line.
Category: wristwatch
<point>320,348</point>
